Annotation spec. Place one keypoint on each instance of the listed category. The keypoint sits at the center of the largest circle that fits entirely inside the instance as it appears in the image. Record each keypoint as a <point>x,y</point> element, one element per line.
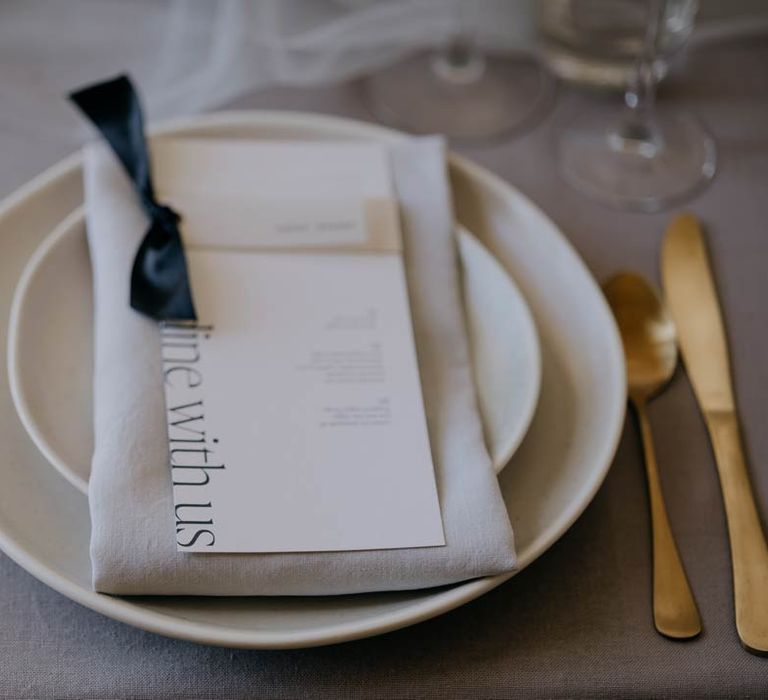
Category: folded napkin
<point>133,548</point>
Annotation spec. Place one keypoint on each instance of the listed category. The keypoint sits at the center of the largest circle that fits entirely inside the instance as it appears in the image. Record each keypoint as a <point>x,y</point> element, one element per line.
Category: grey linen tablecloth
<point>577,622</point>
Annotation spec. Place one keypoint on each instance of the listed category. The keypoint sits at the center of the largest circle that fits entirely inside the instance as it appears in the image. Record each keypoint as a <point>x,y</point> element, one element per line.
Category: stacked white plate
<point>547,359</point>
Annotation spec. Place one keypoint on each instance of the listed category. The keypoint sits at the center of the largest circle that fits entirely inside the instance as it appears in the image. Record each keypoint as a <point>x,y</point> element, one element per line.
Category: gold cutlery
<point>650,347</point>
<point>692,297</point>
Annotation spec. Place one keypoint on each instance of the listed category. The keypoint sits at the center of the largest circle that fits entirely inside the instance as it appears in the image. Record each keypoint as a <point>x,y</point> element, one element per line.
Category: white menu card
<point>295,416</point>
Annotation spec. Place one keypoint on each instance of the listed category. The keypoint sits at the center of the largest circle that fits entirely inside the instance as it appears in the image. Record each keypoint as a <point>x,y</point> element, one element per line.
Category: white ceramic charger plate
<point>50,338</point>
<point>558,468</point>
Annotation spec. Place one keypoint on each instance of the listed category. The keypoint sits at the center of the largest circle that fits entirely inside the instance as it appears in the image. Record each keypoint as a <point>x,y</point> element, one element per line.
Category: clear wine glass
<point>460,90</point>
<point>646,158</point>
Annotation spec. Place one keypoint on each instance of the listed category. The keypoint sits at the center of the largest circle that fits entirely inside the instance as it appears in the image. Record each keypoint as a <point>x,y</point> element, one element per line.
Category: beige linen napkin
<point>133,549</point>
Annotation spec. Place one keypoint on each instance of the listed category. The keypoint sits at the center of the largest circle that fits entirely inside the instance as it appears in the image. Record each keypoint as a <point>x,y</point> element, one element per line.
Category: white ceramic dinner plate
<point>553,475</point>
<point>50,339</point>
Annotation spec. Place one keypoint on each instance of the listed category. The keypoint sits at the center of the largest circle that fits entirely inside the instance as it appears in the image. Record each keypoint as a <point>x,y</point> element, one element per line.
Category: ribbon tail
<point>115,110</point>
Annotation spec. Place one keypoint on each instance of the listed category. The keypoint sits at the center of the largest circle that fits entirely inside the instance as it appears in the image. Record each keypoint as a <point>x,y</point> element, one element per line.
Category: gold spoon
<point>650,347</point>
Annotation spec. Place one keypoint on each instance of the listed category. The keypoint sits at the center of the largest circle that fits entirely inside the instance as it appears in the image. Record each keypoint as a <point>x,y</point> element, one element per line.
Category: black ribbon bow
<point>159,280</point>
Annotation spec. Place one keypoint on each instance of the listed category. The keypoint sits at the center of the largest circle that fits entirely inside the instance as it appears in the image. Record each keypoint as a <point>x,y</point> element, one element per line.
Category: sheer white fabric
<point>192,55</point>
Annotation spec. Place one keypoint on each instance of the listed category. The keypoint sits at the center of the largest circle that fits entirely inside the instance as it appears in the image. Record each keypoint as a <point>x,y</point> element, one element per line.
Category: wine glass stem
<point>641,94</point>
<point>460,60</point>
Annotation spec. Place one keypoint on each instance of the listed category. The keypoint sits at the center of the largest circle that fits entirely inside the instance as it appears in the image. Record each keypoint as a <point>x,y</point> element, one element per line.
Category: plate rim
<point>18,396</point>
<point>440,602</point>
<point>69,226</point>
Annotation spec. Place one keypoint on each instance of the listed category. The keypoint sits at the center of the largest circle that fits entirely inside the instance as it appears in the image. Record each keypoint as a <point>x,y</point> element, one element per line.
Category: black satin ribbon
<point>159,280</point>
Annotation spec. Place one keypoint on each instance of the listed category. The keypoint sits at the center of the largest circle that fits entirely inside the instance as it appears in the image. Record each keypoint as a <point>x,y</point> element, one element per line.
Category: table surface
<point>575,623</point>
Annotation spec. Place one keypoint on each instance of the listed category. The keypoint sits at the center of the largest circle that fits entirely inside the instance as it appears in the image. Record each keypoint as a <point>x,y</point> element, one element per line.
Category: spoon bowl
<point>647,333</point>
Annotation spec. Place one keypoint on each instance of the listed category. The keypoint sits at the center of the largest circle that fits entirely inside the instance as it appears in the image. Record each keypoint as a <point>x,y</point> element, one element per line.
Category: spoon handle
<point>674,609</point>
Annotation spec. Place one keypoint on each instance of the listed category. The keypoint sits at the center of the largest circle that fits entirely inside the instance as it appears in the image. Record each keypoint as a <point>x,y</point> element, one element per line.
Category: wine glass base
<point>490,96</point>
<point>645,167</point>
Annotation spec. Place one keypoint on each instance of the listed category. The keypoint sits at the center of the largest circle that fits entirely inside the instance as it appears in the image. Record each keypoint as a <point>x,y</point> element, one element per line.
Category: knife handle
<point>749,552</point>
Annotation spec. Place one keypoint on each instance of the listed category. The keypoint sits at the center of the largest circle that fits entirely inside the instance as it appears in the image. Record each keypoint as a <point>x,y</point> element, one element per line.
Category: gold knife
<point>692,299</point>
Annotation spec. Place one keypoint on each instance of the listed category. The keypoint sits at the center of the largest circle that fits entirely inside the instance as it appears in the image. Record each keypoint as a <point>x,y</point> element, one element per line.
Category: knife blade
<point>692,298</point>
<point>691,294</point>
